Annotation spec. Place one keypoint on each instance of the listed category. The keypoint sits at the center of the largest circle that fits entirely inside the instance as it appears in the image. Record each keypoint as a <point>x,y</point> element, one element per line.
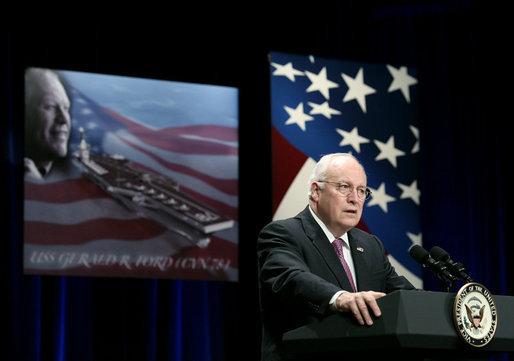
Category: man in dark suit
<point>304,276</point>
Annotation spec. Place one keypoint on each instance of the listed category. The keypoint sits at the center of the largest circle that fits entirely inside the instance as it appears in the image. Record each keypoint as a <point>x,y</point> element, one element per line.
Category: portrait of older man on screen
<point>47,123</point>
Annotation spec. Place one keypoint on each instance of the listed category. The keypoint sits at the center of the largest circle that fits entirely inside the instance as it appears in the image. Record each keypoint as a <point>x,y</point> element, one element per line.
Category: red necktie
<point>338,245</point>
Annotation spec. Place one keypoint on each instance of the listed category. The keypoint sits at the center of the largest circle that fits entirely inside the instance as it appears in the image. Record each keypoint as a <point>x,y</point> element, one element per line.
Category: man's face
<point>340,213</point>
<point>49,120</point>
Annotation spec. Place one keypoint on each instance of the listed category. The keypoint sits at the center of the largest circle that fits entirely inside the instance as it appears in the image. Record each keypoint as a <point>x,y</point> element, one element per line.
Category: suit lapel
<point>325,248</point>
<point>360,262</point>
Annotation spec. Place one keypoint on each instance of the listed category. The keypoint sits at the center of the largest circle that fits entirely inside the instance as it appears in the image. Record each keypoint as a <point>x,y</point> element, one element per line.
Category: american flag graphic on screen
<point>187,133</point>
<point>322,106</point>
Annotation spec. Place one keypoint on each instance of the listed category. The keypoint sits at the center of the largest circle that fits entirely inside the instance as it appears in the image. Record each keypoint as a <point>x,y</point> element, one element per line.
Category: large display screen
<point>129,177</point>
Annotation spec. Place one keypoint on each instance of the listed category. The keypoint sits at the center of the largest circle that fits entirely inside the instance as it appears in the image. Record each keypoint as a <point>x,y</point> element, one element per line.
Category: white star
<point>352,138</point>
<point>380,198</point>
<point>411,191</point>
<point>297,116</point>
<point>388,151</point>
<point>286,70</point>
<point>323,109</point>
<point>320,82</point>
<point>415,238</point>
<point>401,80</point>
<point>357,89</point>
<point>415,131</point>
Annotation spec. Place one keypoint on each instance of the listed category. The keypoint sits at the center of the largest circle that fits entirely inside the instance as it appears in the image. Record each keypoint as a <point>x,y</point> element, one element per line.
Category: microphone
<point>422,256</point>
<point>457,269</point>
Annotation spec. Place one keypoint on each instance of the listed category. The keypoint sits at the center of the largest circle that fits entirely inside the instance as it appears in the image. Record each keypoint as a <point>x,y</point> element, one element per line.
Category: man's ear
<point>314,191</point>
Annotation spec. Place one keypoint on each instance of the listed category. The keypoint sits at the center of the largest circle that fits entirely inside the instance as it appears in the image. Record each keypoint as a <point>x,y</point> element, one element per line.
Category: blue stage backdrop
<point>461,52</point>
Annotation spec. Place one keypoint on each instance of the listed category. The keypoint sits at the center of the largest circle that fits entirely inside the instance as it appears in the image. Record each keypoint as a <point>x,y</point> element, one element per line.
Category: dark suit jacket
<point>299,272</point>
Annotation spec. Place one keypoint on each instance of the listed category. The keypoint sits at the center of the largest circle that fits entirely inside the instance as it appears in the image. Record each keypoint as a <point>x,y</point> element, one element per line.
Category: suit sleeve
<point>393,281</point>
<point>284,273</point>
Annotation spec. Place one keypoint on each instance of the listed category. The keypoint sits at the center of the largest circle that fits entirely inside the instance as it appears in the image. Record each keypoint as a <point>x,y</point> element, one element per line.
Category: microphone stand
<point>445,287</point>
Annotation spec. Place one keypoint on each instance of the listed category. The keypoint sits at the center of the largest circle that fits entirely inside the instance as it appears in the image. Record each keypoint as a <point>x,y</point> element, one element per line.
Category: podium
<point>415,325</point>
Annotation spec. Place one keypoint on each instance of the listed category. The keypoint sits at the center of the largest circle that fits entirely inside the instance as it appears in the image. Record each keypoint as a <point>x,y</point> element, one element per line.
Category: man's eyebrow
<point>350,183</point>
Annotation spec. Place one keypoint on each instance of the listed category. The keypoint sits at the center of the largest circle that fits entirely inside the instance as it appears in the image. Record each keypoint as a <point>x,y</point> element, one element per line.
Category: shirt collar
<point>328,234</point>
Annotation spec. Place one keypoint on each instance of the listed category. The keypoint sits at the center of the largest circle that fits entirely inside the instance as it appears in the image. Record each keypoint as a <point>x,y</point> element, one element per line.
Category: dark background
<point>461,50</point>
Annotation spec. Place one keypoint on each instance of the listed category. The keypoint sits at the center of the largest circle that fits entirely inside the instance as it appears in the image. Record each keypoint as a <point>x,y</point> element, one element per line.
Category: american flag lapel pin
<point>360,249</point>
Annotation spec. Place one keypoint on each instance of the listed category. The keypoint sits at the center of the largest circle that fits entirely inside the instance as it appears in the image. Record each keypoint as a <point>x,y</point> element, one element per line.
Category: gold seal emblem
<point>475,314</point>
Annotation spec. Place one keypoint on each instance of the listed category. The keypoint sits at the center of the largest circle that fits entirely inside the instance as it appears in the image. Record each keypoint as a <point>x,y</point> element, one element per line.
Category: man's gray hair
<point>319,172</point>
<point>35,81</point>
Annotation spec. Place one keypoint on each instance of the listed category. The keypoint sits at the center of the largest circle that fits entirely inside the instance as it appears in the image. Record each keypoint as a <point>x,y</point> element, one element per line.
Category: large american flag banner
<point>322,106</point>
<point>185,132</point>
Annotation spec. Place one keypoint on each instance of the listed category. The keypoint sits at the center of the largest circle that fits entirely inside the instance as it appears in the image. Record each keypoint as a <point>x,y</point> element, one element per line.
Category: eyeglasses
<point>363,193</point>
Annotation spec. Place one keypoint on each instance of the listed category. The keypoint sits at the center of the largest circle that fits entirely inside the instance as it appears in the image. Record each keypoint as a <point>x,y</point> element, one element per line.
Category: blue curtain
<point>64,318</point>
<point>465,148</point>
<point>465,110</point>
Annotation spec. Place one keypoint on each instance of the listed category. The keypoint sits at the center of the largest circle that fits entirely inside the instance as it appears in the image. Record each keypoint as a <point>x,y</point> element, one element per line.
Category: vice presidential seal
<point>475,314</point>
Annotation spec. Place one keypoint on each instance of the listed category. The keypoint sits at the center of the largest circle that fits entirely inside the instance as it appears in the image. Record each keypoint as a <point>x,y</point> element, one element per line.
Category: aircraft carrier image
<point>151,195</point>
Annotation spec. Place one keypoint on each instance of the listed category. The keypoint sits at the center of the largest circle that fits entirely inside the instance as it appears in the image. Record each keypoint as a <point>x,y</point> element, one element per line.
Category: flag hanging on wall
<point>321,106</point>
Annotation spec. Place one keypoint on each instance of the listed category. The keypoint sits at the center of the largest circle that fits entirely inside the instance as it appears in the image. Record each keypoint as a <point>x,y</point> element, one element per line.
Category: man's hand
<point>359,304</point>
